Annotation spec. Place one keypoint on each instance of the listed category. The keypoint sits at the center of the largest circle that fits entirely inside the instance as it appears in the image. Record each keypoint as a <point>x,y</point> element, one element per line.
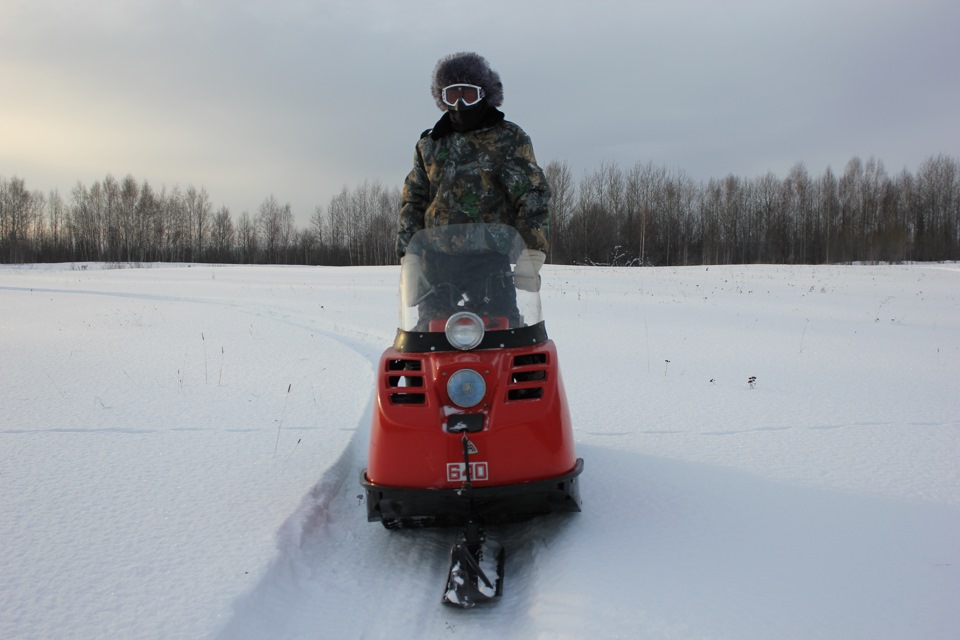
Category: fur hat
<point>470,68</point>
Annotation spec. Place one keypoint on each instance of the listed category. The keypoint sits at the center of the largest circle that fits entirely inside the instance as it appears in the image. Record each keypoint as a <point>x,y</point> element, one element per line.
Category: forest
<point>643,215</point>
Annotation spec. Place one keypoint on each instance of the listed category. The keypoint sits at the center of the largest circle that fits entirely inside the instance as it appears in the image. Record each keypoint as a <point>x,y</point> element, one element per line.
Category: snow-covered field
<point>180,450</point>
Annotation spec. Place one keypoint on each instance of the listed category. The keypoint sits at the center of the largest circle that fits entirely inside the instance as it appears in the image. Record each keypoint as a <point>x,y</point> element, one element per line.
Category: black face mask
<point>468,118</point>
<point>464,120</point>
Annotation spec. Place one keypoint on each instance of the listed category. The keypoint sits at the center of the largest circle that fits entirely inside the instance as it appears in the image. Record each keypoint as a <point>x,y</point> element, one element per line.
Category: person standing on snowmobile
<point>475,166</point>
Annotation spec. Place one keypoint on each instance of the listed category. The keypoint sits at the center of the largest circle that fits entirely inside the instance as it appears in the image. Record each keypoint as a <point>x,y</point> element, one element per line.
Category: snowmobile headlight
<point>466,388</point>
<point>464,330</point>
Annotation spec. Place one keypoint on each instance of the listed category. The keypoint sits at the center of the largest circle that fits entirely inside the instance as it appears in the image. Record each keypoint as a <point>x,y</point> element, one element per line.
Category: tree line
<point>642,215</point>
<point>129,221</point>
<point>649,215</point>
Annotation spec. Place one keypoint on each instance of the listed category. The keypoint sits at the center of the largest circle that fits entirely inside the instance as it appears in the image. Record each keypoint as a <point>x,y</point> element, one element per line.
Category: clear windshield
<point>465,267</point>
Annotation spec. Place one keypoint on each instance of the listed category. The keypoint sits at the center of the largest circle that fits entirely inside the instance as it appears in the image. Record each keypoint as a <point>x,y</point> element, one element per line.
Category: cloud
<point>299,99</point>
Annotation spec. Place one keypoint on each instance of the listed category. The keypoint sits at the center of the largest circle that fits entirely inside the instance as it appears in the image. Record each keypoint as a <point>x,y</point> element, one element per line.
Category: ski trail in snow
<point>366,344</point>
<point>324,551</point>
<point>127,295</point>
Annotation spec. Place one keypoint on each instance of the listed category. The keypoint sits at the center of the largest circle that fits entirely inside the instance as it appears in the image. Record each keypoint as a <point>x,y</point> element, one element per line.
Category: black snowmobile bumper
<point>399,507</point>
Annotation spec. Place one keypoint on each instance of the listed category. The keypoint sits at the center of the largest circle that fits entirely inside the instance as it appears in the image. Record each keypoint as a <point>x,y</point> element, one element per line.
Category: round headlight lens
<point>466,388</point>
<point>464,330</point>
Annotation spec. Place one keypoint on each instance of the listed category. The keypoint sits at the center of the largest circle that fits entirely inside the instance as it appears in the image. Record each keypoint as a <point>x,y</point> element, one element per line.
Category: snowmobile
<point>471,426</point>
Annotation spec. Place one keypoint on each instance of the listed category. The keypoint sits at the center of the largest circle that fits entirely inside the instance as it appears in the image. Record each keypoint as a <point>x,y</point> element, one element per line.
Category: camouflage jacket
<point>488,175</point>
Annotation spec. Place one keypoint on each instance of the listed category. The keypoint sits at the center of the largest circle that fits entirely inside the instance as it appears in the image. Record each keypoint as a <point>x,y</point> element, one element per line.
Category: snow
<point>180,448</point>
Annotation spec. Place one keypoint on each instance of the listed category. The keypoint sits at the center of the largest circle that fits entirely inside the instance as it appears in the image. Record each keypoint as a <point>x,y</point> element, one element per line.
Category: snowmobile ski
<point>476,570</point>
<point>476,563</point>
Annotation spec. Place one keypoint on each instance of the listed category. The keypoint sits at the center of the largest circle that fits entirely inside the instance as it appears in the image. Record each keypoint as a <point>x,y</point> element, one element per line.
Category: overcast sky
<point>298,99</point>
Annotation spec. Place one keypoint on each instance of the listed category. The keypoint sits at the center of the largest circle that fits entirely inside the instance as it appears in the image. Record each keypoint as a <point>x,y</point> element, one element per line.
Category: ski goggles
<point>469,94</point>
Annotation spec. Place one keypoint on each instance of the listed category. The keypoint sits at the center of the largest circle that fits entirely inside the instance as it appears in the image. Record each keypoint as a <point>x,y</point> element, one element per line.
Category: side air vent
<point>405,381</point>
<point>527,377</point>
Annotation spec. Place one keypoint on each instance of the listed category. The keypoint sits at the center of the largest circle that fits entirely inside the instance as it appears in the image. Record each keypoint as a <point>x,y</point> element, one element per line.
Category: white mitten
<point>526,275</point>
